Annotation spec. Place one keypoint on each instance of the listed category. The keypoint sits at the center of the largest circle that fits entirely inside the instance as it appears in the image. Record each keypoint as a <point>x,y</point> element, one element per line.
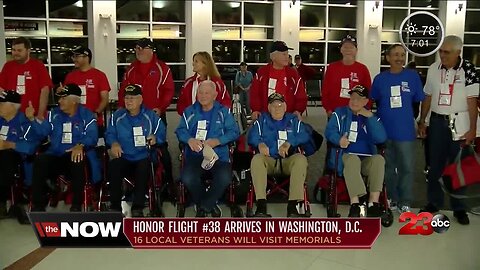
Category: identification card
<point>83,97</point>
<point>20,80</point>
<point>352,136</point>
<point>395,102</point>
<point>354,126</point>
<point>201,135</point>
<point>202,124</point>
<point>344,93</point>
<point>137,131</point>
<point>272,83</point>
<point>67,127</point>
<point>139,141</point>
<point>21,89</point>
<point>280,143</point>
<point>67,137</point>
<point>4,130</point>
<point>395,91</point>
<point>445,100</point>
<point>282,135</point>
<point>345,83</point>
<point>444,89</point>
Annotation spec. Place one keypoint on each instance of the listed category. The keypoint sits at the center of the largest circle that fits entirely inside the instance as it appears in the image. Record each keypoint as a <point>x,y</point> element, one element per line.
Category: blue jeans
<point>192,178</point>
<point>442,151</point>
<point>399,171</point>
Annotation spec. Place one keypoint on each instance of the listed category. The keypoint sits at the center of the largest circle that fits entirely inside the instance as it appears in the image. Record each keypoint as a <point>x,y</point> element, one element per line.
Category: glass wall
<point>471,48</point>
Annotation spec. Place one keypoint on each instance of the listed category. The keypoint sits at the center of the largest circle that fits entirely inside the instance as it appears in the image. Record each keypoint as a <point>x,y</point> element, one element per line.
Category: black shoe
<point>354,210</point>
<point>37,209</point>
<point>3,210</point>
<point>137,212</point>
<point>429,208</point>
<point>261,209</point>
<point>216,211</point>
<point>374,211</point>
<point>76,208</point>
<point>462,217</point>
<point>201,213</point>
<point>21,213</point>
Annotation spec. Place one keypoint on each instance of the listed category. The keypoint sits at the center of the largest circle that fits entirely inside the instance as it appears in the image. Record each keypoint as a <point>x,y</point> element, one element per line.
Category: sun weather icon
<point>411,28</point>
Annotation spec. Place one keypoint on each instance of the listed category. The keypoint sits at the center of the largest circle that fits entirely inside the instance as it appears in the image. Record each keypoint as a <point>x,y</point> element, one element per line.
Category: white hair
<point>455,41</point>
<point>207,83</point>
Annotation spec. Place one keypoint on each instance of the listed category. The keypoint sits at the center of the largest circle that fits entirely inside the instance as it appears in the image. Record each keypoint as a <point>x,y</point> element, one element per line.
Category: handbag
<point>464,171</point>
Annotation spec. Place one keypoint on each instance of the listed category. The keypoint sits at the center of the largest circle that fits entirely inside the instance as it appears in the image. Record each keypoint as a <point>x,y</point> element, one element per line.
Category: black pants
<point>48,166</point>
<point>166,162</point>
<point>9,166</point>
<point>121,168</point>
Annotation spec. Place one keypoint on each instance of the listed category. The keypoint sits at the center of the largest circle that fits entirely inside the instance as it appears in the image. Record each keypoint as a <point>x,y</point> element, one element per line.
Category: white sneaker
<point>404,209</point>
<point>392,205</point>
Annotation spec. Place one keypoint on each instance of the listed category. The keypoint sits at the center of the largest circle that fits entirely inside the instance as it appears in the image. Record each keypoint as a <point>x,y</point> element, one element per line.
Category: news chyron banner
<point>112,230</point>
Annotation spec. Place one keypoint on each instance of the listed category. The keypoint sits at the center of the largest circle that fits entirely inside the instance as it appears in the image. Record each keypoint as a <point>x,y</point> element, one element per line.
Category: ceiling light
<point>234,4</point>
<point>158,4</point>
<point>78,4</point>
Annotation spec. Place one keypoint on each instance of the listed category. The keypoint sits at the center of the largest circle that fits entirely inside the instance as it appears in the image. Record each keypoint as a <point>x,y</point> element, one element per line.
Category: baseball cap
<point>276,96</point>
<point>360,90</point>
<point>10,96</point>
<point>298,56</point>
<point>69,89</point>
<point>350,39</point>
<point>209,157</point>
<point>280,46</point>
<point>133,90</point>
<point>82,51</point>
<point>145,43</point>
<point>243,64</point>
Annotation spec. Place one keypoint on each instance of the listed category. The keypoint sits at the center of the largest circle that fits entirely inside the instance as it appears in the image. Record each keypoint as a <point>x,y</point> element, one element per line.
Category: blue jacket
<point>84,131</point>
<point>26,141</point>
<point>222,127</point>
<point>339,124</point>
<point>19,128</point>
<point>120,130</point>
<point>264,130</point>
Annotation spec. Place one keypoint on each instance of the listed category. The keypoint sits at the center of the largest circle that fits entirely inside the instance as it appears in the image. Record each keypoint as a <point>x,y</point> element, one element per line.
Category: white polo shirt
<point>464,83</point>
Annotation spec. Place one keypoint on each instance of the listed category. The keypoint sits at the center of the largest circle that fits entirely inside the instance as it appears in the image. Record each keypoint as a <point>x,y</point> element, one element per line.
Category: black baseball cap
<point>276,96</point>
<point>68,90</point>
<point>145,43</point>
<point>280,46</point>
<point>349,39</point>
<point>133,90</point>
<point>82,51</point>
<point>297,56</point>
<point>243,64</point>
<point>10,96</point>
<point>360,90</point>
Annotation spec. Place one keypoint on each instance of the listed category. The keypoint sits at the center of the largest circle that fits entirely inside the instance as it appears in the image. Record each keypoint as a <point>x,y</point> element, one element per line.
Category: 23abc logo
<point>429,223</point>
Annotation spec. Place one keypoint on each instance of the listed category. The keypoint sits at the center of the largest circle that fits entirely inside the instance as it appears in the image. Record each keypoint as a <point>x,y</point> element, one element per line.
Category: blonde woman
<point>204,69</point>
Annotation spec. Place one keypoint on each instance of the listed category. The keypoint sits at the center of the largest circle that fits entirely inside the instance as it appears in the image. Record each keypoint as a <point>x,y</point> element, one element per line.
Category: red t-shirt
<point>92,82</point>
<point>356,73</point>
<point>280,75</point>
<point>27,79</point>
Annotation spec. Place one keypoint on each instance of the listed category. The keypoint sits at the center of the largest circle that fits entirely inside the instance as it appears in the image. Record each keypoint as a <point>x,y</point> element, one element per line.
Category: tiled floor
<point>458,248</point>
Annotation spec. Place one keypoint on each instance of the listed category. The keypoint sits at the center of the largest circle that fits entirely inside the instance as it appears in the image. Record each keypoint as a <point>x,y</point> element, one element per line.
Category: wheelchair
<point>156,185</point>
<point>279,184</point>
<point>182,193</point>
<point>331,190</point>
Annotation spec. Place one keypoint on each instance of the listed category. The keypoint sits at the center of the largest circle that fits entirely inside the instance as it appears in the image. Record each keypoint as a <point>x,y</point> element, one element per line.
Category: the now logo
<point>429,223</point>
<point>78,229</point>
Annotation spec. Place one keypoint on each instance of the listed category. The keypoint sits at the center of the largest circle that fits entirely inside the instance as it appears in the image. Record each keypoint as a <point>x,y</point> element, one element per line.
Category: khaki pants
<point>373,167</point>
<point>295,166</point>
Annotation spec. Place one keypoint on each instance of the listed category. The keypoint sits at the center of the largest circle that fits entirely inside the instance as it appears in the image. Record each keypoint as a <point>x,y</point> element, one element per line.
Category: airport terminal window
<point>226,12</point>
<point>471,49</point>
<point>226,51</point>
<point>59,73</point>
<point>257,51</point>
<point>133,10</point>
<point>72,9</point>
<point>168,11</point>
<point>258,14</point>
<point>38,50</point>
<point>17,8</point>
<point>312,52</point>
<point>60,49</point>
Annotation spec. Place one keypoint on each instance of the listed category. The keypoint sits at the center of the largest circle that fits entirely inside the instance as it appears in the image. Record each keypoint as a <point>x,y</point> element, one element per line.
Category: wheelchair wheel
<point>387,218</point>
<point>236,211</point>
<point>331,200</point>
<point>319,195</point>
<point>180,210</point>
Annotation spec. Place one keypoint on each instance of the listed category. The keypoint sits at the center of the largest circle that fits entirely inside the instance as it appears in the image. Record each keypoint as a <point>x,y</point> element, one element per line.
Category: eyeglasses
<point>78,55</point>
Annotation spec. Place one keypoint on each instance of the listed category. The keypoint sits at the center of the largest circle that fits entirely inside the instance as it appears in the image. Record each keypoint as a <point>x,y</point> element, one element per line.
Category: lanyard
<point>443,78</point>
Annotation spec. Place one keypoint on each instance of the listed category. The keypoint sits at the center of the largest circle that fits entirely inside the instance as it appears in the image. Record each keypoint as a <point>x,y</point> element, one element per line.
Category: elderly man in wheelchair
<point>16,142</point>
<point>207,128</point>
<point>356,131</point>
<point>129,131</point>
<point>73,134</point>
<point>277,136</point>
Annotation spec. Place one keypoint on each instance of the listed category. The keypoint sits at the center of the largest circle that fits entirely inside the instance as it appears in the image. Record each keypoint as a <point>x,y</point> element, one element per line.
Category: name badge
<point>272,83</point>
<point>395,91</point>
<point>352,136</point>
<point>280,143</point>
<point>4,130</point>
<point>137,131</point>
<point>20,80</point>
<point>354,126</point>
<point>346,83</point>
<point>67,127</point>
<point>139,141</point>
<point>201,134</point>
<point>202,124</point>
<point>83,98</point>
<point>445,100</point>
<point>21,89</point>
<point>445,89</point>
<point>67,137</point>
<point>282,135</point>
<point>395,102</point>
